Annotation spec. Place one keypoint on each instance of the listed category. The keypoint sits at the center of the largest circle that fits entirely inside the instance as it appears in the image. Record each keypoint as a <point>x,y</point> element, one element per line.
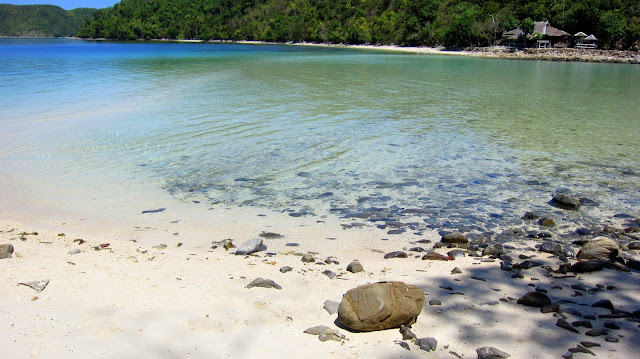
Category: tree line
<point>41,20</point>
<point>451,23</point>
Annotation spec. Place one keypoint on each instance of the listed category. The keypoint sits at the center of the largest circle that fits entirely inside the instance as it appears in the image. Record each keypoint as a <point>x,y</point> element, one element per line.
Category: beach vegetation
<point>450,23</point>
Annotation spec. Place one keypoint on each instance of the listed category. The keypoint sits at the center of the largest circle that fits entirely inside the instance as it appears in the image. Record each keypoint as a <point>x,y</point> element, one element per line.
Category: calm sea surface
<point>320,132</point>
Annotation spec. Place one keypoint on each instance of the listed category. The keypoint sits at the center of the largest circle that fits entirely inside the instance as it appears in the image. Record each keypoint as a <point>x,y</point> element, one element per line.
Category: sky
<point>65,4</point>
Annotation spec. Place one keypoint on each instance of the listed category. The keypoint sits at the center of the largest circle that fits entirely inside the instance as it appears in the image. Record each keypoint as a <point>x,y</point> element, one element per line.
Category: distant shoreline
<point>553,54</point>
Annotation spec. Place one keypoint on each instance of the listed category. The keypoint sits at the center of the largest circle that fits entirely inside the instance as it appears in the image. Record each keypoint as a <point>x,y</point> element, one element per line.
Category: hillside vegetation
<point>41,20</point>
<point>453,23</point>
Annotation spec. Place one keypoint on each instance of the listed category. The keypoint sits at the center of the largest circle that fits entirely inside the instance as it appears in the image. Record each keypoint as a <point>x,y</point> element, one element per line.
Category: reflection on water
<point>319,131</point>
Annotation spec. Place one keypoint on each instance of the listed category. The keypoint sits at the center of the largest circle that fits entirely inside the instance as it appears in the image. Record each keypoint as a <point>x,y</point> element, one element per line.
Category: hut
<point>514,38</point>
<point>549,36</point>
<point>585,42</point>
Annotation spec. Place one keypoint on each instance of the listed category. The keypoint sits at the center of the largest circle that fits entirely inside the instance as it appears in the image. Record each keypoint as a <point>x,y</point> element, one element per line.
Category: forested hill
<point>453,23</point>
<point>41,20</point>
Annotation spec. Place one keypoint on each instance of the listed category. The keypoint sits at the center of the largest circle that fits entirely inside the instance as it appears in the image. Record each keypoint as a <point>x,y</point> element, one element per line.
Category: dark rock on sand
<point>611,325</point>
<point>286,269</point>
<point>611,339</point>
<point>551,247</point>
<point>591,265</point>
<point>263,283</point>
<point>329,274</point>
<point>596,332</point>
<point>534,299</point>
<point>588,344</point>
<point>308,258</point>
<point>456,270</point>
<point>604,303</point>
<point>546,222</point>
<point>455,237</point>
<point>566,325</point>
<point>456,253</point>
<point>580,349</point>
<point>396,254</point>
<point>271,235</point>
<point>565,201</point>
<point>550,308</point>
<point>491,353</point>
<point>493,249</point>
<point>529,264</point>
<point>435,302</point>
<point>6,251</point>
<point>251,246</point>
<point>404,345</point>
<point>381,305</point>
<point>355,267</point>
<point>582,323</point>
<point>433,256</point>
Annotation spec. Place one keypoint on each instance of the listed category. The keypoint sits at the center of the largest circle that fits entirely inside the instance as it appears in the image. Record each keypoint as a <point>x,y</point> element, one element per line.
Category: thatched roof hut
<point>546,30</point>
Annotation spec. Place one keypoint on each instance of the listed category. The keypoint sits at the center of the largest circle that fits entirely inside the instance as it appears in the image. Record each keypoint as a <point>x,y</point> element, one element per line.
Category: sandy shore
<point>123,298</point>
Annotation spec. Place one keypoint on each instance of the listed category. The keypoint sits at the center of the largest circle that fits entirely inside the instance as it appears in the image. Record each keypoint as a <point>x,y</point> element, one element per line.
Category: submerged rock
<point>565,201</point>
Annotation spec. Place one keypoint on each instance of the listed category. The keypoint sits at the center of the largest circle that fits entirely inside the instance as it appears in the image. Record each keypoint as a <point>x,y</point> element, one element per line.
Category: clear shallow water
<point>316,131</point>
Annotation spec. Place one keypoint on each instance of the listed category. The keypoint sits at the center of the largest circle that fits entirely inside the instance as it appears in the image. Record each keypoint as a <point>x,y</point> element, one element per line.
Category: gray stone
<point>264,283</point>
<point>329,274</point>
<point>38,285</point>
<point>427,344</point>
<point>604,303</point>
<point>435,302</point>
<point>407,334</point>
<point>491,353</point>
<point>456,270</point>
<point>551,247</point>
<point>381,305</point>
<point>588,344</point>
<point>6,251</point>
<point>286,269</point>
<point>534,299</point>
<point>493,249</point>
<point>75,251</point>
<point>611,339</point>
<point>355,267</point>
<point>251,246</point>
<point>404,345</point>
<point>565,201</point>
<point>331,306</point>
<point>596,332</point>
<point>455,237</point>
<point>456,253</point>
<point>308,258</point>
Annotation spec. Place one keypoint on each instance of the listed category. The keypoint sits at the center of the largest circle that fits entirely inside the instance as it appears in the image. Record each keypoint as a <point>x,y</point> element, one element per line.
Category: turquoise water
<point>324,131</point>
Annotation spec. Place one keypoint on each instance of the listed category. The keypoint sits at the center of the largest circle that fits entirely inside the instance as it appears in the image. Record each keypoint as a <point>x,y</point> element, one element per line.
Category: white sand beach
<point>131,299</point>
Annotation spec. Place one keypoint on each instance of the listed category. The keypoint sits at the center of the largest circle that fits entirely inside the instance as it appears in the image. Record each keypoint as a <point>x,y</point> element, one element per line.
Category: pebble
<point>579,349</point>
<point>566,325</point>
<point>308,258</point>
<point>551,247</point>
<point>456,253</point>
<point>286,269</point>
<point>582,323</point>
<point>355,267</point>
<point>404,345</point>
<point>611,339</point>
<point>38,285</point>
<point>596,332</point>
<point>433,256</point>
<point>329,274</point>
<point>588,344</point>
<point>435,302</point>
<point>455,237</point>
<point>529,264</point>
<point>330,334</point>
<point>316,330</point>
<point>550,308</point>
<point>456,270</point>
<point>396,254</point>
<point>565,201</point>
<point>75,251</point>
<point>478,278</point>
<point>6,250</point>
<point>611,325</point>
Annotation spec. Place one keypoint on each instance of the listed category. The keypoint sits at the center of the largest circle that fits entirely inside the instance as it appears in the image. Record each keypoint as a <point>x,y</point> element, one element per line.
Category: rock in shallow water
<point>565,201</point>
<point>380,306</point>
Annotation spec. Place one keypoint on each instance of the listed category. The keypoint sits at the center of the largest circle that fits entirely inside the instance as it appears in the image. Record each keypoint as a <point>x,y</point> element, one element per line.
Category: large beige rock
<point>382,305</point>
<point>598,248</point>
